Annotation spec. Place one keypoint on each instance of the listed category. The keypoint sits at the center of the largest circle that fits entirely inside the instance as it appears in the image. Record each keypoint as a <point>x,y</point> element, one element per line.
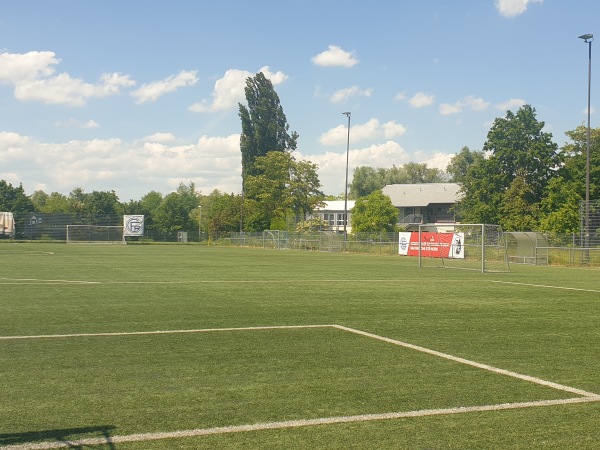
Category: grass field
<point>190,347</point>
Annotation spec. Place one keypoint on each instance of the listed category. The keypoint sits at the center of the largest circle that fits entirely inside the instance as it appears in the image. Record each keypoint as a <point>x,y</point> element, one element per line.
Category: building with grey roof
<point>424,203</point>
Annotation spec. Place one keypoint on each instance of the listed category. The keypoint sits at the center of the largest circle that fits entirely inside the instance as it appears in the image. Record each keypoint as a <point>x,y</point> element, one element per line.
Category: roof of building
<point>336,205</point>
<point>408,195</point>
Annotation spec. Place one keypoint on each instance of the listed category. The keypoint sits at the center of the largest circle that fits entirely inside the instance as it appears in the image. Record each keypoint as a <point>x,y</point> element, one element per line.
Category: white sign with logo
<point>133,225</point>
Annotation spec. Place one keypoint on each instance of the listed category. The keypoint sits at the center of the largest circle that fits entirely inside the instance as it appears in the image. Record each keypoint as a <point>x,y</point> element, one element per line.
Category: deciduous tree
<point>559,209</point>
<point>13,199</point>
<point>281,185</point>
<point>221,212</point>
<point>517,148</point>
<point>459,164</point>
<point>575,157</point>
<point>374,213</point>
<point>366,180</point>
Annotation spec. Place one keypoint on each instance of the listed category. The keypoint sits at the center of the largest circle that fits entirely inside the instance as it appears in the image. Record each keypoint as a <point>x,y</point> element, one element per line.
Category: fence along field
<point>203,347</point>
<point>572,249</point>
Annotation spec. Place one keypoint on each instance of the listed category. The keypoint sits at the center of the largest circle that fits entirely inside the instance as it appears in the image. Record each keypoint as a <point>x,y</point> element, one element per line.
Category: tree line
<point>519,179</point>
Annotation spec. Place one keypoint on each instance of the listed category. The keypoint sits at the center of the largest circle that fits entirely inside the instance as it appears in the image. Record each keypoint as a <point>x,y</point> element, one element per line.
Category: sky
<point>142,95</point>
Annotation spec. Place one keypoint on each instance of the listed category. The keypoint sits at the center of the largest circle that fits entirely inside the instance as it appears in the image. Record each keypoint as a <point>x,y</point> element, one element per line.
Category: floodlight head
<point>347,114</point>
<point>587,37</point>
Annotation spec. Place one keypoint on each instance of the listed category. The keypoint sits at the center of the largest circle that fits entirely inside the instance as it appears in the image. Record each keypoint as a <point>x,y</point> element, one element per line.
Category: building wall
<point>335,221</point>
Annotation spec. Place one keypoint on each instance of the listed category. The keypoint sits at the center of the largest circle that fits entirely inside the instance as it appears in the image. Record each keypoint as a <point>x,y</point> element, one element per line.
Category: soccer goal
<point>95,234</point>
<point>479,247</point>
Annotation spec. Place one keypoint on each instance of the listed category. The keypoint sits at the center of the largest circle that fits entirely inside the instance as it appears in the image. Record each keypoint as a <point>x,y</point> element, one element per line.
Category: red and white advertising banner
<point>433,245</point>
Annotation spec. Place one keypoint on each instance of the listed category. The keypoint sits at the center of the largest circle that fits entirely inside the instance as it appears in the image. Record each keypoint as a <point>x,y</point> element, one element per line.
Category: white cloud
<point>23,67</point>
<point>513,8</point>
<point>400,96</point>
<point>132,169</point>
<point>392,129</point>
<point>127,167</point>
<point>420,100</point>
<point>447,108</point>
<point>77,124</point>
<point>229,90</point>
<point>369,130</point>
<point>32,75</point>
<point>513,103</point>
<point>335,57</point>
<point>372,129</point>
<point>276,78</point>
<point>334,136</point>
<point>160,137</point>
<point>91,124</point>
<point>62,89</point>
<point>344,94</point>
<point>439,161</point>
<point>474,103</point>
<point>332,165</point>
<point>150,92</point>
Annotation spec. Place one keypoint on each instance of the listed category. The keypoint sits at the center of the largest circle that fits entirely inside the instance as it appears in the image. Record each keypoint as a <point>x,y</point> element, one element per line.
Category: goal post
<point>480,247</point>
<point>95,234</point>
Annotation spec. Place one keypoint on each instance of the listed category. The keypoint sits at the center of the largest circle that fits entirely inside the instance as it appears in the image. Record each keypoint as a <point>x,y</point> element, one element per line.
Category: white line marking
<point>39,281</point>
<point>339,327</point>
<point>30,281</point>
<point>292,424</point>
<point>547,286</point>
<point>586,397</point>
<point>254,281</point>
<point>24,252</point>
<point>471,363</point>
<point>137,333</point>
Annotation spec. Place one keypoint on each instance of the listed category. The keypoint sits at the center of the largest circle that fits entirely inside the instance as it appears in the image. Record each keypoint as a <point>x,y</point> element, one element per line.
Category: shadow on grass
<point>68,437</point>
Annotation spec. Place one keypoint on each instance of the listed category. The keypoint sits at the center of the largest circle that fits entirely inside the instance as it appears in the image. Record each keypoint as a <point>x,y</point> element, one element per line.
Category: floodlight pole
<point>347,114</point>
<point>588,38</point>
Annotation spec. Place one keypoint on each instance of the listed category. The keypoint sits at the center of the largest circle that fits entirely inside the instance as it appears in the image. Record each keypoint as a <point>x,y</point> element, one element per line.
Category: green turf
<point>91,386</point>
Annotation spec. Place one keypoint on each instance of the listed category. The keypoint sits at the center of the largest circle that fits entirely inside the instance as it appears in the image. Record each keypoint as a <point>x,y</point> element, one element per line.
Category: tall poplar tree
<point>264,125</point>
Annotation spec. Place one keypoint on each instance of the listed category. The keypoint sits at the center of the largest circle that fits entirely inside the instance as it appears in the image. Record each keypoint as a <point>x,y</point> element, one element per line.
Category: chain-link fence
<point>53,227</point>
<point>589,224</point>
<point>374,243</point>
<point>573,249</point>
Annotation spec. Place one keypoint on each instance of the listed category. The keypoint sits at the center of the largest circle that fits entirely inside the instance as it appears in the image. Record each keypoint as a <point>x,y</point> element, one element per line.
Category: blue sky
<point>141,95</point>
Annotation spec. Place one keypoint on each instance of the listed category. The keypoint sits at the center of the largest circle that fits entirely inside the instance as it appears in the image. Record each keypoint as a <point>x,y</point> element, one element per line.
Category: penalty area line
<point>468,362</point>
<point>301,281</point>
<point>17,281</point>
<point>142,437</point>
<point>141,333</point>
<point>546,286</point>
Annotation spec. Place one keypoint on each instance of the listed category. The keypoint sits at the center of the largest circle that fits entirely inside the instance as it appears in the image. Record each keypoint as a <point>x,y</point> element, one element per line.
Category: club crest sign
<point>133,225</point>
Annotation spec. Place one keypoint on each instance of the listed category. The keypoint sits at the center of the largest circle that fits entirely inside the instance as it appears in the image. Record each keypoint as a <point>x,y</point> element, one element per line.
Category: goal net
<point>95,234</point>
<point>478,247</point>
